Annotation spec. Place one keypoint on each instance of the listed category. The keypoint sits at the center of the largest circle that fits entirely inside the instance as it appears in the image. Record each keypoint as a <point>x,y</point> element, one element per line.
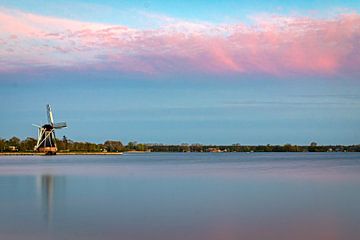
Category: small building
<point>13,149</point>
<point>213,150</point>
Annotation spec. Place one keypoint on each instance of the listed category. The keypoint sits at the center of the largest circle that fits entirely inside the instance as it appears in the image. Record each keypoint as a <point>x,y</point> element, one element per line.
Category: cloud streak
<point>273,45</point>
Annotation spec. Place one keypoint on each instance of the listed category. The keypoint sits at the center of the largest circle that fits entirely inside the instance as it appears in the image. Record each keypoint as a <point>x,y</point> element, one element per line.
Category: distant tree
<point>14,141</point>
<point>141,147</point>
<point>28,144</point>
<point>313,147</point>
<point>2,145</point>
<point>196,148</point>
<point>131,145</point>
<point>184,147</point>
<point>290,148</point>
<point>246,149</point>
<point>236,147</point>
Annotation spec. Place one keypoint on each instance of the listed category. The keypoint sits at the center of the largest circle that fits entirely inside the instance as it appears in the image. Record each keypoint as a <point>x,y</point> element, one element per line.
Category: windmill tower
<point>46,134</point>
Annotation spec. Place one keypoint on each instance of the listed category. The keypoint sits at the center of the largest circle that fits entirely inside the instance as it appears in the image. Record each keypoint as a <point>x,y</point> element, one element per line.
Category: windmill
<point>46,134</point>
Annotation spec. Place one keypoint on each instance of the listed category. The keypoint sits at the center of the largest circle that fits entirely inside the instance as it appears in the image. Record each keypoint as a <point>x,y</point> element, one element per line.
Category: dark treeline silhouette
<point>249,148</point>
<point>67,145</point>
<point>15,144</point>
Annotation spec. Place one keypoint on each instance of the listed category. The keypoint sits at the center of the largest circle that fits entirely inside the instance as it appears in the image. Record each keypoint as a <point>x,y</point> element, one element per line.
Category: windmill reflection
<point>51,191</point>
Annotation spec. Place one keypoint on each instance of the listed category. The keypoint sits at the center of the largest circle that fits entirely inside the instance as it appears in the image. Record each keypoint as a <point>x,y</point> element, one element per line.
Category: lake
<point>192,196</point>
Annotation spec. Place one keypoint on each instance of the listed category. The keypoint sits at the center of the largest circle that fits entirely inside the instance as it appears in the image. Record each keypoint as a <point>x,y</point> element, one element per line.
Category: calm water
<point>215,196</point>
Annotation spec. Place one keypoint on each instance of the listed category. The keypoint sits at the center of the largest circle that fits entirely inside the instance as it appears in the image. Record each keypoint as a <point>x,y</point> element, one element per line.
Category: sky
<point>208,72</point>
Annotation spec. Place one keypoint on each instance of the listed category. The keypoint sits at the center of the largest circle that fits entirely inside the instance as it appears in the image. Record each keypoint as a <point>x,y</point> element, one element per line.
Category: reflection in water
<point>297,196</point>
<point>47,190</point>
<point>48,186</point>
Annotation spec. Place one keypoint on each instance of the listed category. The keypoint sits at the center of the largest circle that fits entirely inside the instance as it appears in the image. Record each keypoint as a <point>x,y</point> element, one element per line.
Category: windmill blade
<point>54,136</point>
<point>60,125</point>
<point>36,125</point>
<point>50,115</point>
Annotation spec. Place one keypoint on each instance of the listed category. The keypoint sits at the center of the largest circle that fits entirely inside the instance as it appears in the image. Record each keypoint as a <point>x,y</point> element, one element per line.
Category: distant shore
<point>58,153</point>
<point>65,146</point>
<point>112,153</point>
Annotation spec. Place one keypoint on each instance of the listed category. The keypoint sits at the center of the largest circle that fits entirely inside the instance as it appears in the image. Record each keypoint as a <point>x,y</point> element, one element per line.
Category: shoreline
<point>58,153</point>
<point>131,152</point>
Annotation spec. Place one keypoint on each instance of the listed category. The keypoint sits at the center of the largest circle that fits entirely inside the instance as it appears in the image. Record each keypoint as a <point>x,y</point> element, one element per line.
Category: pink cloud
<point>274,45</point>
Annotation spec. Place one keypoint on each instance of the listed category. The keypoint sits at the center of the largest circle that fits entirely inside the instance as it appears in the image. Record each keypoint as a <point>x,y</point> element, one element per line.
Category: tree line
<point>252,148</point>
<point>68,145</point>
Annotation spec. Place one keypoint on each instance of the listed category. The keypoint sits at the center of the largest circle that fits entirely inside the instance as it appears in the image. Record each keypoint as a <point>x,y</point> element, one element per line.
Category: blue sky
<point>216,85</point>
<point>246,112</point>
<point>131,13</point>
<point>203,10</point>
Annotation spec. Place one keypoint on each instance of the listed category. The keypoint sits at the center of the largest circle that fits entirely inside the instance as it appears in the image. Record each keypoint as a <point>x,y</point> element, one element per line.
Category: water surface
<point>195,196</point>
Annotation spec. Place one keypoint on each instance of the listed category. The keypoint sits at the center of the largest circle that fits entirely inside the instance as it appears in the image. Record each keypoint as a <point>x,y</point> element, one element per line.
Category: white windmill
<point>46,134</point>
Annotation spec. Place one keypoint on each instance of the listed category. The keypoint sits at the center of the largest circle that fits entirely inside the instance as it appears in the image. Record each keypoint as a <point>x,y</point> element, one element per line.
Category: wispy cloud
<point>274,45</point>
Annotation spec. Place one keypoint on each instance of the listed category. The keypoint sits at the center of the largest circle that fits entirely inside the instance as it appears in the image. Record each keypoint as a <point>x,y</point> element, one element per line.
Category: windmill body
<point>46,142</point>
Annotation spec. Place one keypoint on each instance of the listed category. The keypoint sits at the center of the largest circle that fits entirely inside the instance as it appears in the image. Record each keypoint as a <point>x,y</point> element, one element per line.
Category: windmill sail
<point>60,125</point>
<point>50,115</point>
